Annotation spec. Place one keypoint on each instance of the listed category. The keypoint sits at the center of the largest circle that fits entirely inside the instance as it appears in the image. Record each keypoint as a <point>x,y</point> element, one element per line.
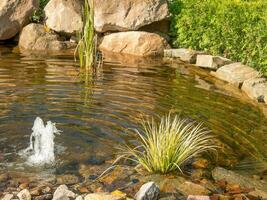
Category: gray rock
<point>211,62</point>
<point>14,14</point>
<point>64,16</point>
<point>196,197</point>
<point>148,191</point>
<point>235,73</point>
<point>257,194</point>
<point>8,197</point>
<point>136,43</point>
<point>186,55</point>
<point>35,38</point>
<point>24,195</point>
<point>126,15</point>
<point>234,178</point>
<point>256,88</point>
<point>63,193</point>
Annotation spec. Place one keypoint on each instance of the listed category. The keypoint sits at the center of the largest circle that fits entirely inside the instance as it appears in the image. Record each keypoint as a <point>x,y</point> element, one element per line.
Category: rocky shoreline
<point>132,182</point>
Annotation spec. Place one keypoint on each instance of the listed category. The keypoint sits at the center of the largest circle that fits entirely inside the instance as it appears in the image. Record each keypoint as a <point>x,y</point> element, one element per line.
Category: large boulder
<point>118,15</point>
<point>137,43</point>
<point>64,16</point>
<point>35,37</point>
<point>14,14</point>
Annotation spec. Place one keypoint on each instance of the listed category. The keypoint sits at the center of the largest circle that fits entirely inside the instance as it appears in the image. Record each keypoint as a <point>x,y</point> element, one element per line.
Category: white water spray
<point>41,149</point>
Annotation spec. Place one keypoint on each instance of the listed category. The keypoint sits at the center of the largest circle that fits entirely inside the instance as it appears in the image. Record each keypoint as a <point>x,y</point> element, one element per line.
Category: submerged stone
<point>234,178</point>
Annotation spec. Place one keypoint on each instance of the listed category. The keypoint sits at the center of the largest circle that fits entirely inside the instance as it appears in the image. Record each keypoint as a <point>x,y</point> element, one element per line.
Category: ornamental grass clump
<point>167,146</point>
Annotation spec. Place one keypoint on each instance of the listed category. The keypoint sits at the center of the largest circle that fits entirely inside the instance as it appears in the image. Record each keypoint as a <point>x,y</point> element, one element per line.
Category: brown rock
<point>67,179</point>
<point>126,15</point>
<point>34,37</point>
<point>200,163</point>
<point>14,14</point>
<point>186,55</point>
<point>24,185</point>
<point>256,88</point>
<point>83,190</point>
<point>64,16</point>
<point>234,178</point>
<point>4,177</point>
<point>236,73</point>
<point>135,43</point>
<point>257,194</point>
<point>211,62</point>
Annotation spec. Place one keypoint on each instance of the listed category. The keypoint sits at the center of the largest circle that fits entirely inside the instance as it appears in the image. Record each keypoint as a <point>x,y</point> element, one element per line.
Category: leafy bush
<point>166,146</point>
<point>38,15</point>
<point>232,28</point>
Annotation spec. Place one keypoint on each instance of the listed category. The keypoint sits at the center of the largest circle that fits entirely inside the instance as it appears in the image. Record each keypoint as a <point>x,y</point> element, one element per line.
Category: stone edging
<point>244,77</point>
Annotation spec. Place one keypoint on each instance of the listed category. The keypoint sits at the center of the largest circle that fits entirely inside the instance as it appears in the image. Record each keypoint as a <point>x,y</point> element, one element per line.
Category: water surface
<point>93,115</point>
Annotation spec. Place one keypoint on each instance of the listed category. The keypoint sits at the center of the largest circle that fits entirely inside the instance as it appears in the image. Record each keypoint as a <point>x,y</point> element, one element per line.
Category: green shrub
<point>166,146</point>
<point>38,15</point>
<point>232,28</point>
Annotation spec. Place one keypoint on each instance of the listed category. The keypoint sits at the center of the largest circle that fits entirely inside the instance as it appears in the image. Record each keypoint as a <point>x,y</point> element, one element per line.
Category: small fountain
<point>41,149</point>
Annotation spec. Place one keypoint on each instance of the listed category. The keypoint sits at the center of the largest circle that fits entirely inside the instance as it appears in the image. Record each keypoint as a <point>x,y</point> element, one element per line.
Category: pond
<point>94,115</point>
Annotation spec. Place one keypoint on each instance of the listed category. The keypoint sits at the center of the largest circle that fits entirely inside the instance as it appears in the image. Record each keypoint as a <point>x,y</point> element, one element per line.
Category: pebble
<point>24,195</point>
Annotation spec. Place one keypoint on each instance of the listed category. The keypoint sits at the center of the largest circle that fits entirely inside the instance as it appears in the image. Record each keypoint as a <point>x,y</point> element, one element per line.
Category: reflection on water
<point>93,116</point>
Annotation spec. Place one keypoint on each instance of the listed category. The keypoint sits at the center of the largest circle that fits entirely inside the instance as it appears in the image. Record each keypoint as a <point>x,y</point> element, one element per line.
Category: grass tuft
<point>166,146</point>
<point>86,47</point>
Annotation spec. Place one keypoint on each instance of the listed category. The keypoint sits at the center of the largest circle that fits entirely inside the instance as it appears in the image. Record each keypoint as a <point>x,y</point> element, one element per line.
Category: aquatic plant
<point>86,47</point>
<point>166,146</point>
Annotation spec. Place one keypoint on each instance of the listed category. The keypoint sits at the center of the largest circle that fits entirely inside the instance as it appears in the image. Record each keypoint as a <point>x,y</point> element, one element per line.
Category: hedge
<point>236,29</point>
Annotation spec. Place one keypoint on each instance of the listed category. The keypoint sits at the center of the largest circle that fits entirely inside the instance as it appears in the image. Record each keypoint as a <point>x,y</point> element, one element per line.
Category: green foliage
<point>166,146</point>
<point>87,38</point>
<point>38,15</point>
<point>232,28</point>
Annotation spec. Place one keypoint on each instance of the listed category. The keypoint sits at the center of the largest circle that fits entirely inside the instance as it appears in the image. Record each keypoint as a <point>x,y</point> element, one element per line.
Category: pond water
<point>94,115</point>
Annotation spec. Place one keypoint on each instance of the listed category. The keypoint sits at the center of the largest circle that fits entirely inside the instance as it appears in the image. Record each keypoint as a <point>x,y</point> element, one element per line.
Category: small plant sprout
<point>166,146</point>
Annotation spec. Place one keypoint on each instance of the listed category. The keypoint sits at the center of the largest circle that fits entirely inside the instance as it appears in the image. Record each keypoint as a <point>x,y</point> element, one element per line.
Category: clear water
<point>94,115</point>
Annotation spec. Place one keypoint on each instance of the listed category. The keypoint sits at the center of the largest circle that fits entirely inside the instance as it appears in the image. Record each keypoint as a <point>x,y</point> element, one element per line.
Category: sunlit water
<point>94,115</point>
